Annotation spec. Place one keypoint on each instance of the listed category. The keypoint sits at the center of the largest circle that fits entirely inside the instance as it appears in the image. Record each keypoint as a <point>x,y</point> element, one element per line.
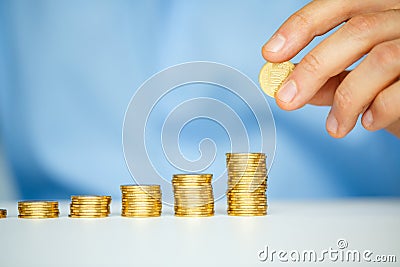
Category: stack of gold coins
<point>38,209</point>
<point>247,184</point>
<point>90,206</point>
<point>3,213</point>
<point>141,200</point>
<point>193,195</point>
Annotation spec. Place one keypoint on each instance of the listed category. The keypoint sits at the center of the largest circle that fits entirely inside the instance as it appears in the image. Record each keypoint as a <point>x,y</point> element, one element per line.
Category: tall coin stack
<point>90,206</point>
<point>38,209</point>
<point>193,195</point>
<point>247,184</point>
<point>3,213</point>
<point>141,200</point>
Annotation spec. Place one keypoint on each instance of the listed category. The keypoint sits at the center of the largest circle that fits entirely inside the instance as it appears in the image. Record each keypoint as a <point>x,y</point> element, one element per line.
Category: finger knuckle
<point>311,63</point>
<point>343,98</point>
<point>385,54</point>
<point>360,26</point>
<point>302,20</point>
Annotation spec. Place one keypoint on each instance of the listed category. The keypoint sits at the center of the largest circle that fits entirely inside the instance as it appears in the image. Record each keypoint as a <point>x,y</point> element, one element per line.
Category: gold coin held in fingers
<point>272,75</point>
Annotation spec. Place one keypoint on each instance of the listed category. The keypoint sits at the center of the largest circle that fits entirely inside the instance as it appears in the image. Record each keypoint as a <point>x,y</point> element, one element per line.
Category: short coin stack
<point>247,184</point>
<point>193,195</point>
<point>141,200</point>
<point>90,206</point>
<point>38,209</point>
<point>3,213</point>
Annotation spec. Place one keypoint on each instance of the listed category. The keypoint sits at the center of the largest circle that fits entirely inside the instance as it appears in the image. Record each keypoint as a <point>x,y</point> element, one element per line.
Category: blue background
<point>69,68</point>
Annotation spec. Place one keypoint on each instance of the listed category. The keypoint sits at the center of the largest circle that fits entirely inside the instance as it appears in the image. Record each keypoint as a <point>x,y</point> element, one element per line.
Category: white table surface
<point>221,240</point>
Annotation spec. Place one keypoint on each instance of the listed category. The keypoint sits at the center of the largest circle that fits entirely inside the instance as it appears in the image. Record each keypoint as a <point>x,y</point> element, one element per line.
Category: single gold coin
<point>93,199</point>
<point>44,204</point>
<point>88,216</point>
<point>133,210</point>
<point>140,186</point>
<point>272,75</point>
<point>141,200</point>
<point>248,214</point>
<point>141,210</point>
<point>198,178</point>
<point>141,215</point>
<point>245,154</point>
<point>38,216</point>
<point>183,214</point>
<point>157,211</point>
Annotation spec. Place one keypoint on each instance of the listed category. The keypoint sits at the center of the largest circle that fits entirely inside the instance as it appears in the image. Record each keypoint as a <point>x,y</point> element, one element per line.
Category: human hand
<point>372,28</point>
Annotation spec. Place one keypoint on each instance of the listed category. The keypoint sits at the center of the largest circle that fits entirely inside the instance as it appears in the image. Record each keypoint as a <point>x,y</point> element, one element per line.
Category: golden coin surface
<point>141,212</point>
<point>247,184</point>
<point>141,186</point>
<point>90,206</point>
<point>272,75</point>
<point>157,211</point>
<point>140,215</point>
<point>37,204</point>
<point>246,187</point>
<point>37,217</point>
<point>141,201</point>
<point>38,209</point>
<point>249,197</point>
<point>3,213</point>
<point>245,154</point>
<point>191,175</point>
<point>247,214</point>
<point>141,196</point>
<point>89,210</point>
<point>193,209</point>
<point>139,205</point>
<point>247,179</point>
<point>90,197</point>
<point>194,214</point>
<point>199,178</point>
<point>147,210</point>
<point>233,163</point>
<point>193,195</point>
<point>246,167</point>
<point>87,216</point>
<point>194,198</point>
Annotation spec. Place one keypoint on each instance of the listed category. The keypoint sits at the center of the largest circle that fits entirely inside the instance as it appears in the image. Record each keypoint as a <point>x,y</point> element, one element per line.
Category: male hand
<point>371,28</point>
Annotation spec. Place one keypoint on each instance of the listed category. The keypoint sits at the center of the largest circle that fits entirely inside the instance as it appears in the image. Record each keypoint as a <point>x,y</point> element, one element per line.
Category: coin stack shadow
<point>193,194</point>
<point>141,201</point>
<point>38,209</point>
<point>3,213</point>
<point>90,206</point>
<point>247,184</point>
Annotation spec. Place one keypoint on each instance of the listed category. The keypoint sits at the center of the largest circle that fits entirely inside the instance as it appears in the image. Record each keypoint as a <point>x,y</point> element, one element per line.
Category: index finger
<point>316,18</point>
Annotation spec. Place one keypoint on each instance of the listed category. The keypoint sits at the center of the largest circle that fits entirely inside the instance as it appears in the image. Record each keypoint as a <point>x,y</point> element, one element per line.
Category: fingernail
<point>275,43</point>
<point>287,92</point>
<point>368,118</point>
<point>332,124</point>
